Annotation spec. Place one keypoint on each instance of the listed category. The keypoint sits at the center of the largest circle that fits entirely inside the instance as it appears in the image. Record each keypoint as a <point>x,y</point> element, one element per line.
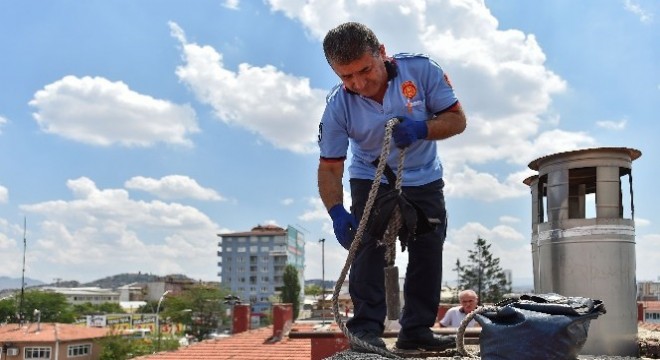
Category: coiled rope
<point>460,332</point>
<point>389,239</point>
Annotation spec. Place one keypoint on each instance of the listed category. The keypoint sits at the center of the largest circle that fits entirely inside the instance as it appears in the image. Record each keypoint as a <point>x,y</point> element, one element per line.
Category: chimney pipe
<point>282,319</point>
<point>241,320</point>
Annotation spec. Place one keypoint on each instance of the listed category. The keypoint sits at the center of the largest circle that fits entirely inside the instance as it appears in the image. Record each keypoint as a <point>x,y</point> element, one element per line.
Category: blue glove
<point>407,131</point>
<point>344,225</point>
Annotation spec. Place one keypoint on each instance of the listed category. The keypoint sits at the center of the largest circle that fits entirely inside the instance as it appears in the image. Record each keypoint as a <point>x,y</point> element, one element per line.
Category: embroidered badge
<point>409,90</point>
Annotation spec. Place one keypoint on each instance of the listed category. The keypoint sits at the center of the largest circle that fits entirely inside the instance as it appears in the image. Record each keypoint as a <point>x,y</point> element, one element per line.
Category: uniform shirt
<point>417,89</point>
<point>454,317</point>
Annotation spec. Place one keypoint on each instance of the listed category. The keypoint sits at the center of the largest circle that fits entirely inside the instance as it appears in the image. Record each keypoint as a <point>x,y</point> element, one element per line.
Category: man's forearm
<point>446,124</point>
<point>330,187</point>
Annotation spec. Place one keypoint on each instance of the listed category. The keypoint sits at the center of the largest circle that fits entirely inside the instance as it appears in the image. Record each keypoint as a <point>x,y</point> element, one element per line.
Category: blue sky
<point>133,132</point>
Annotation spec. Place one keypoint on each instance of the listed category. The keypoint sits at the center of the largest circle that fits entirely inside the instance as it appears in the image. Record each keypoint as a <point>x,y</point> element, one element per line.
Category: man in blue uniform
<point>375,88</point>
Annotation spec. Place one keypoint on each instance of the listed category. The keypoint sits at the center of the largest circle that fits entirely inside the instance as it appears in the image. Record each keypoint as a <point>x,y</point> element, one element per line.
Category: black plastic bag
<point>413,220</point>
<point>539,326</point>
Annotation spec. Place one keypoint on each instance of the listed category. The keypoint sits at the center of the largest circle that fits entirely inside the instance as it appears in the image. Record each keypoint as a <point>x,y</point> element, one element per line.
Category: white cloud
<point>645,16</point>
<point>612,125</point>
<point>642,222</point>
<point>173,187</point>
<point>509,245</point>
<point>3,121</point>
<point>509,219</point>
<point>4,194</point>
<point>231,4</point>
<point>271,222</point>
<point>467,182</point>
<point>287,201</point>
<point>97,111</point>
<point>279,107</point>
<point>6,242</point>
<point>101,229</point>
<point>648,253</point>
<point>316,212</point>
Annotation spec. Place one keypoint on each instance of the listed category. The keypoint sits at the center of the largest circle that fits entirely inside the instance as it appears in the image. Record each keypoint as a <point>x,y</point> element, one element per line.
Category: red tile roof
<point>259,230</point>
<point>49,332</point>
<point>651,305</point>
<point>249,345</point>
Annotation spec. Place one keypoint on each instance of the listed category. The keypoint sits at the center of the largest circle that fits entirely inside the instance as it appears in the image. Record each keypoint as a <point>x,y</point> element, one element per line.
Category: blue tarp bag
<point>537,326</point>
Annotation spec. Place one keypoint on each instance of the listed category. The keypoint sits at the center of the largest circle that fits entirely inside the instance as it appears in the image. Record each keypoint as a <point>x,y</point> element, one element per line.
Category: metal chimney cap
<point>633,153</point>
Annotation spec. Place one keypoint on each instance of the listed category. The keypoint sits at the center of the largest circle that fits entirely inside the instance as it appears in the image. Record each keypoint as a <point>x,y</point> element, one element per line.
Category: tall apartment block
<point>252,263</point>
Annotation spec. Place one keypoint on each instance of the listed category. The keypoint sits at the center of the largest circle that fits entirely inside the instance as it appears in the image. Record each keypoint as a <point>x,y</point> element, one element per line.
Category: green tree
<point>116,347</point>
<point>200,308</point>
<point>91,309</point>
<point>314,290</point>
<point>483,274</point>
<point>149,307</point>
<point>291,289</point>
<point>52,307</point>
<point>7,309</point>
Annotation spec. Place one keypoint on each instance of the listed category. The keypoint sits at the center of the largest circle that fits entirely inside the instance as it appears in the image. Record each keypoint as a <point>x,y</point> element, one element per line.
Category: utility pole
<point>322,241</point>
<point>21,316</point>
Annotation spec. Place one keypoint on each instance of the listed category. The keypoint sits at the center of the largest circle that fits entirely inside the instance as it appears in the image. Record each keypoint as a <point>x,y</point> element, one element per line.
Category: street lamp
<point>158,318</point>
<point>322,241</point>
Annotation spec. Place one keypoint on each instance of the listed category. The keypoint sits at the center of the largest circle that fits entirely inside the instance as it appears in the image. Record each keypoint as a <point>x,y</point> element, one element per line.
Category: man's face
<point>366,76</point>
<point>468,303</point>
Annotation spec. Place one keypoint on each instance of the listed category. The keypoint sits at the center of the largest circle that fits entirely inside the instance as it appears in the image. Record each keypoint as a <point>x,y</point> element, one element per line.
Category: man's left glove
<point>344,225</point>
<point>407,131</point>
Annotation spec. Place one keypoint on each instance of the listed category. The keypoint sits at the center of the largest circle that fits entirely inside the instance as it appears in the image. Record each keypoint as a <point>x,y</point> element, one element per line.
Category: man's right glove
<point>344,225</point>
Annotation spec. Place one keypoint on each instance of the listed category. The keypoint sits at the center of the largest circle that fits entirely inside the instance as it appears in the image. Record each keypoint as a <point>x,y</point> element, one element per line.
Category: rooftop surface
<point>49,332</point>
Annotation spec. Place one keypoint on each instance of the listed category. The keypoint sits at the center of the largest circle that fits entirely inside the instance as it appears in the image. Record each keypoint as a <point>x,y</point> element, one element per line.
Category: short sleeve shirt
<point>454,317</point>
<point>418,89</point>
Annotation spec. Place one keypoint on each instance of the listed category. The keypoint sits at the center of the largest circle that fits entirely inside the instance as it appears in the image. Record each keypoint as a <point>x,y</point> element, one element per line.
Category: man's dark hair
<point>348,42</point>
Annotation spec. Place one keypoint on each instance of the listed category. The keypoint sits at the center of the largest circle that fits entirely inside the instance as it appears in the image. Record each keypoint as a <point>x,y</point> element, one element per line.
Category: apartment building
<point>252,262</point>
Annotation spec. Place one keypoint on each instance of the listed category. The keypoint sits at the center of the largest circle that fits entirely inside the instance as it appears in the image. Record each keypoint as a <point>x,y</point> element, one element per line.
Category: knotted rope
<point>389,239</point>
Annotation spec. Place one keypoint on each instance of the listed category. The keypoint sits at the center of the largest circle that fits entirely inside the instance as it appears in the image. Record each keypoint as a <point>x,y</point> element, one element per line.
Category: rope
<point>460,332</point>
<point>390,237</point>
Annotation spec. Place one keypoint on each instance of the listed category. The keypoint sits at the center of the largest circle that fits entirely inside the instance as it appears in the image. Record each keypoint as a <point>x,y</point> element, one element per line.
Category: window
<point>37,353</point>
<point>79,350</point>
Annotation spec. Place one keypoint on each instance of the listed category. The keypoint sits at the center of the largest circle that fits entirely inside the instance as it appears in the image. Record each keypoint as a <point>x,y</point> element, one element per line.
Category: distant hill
<point>115,281</point>
<point>329,284</point>
<point>110,282</point>
<point>15,283</point>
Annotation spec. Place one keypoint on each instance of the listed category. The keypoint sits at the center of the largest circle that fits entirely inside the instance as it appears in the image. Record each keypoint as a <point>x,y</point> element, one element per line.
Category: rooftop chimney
<point>282,319</point>
<point>583,242</point>
<point>241,320</point>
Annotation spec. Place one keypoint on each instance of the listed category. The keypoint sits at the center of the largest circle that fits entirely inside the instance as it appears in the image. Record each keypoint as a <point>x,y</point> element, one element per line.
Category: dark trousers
<point>423,274</point>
